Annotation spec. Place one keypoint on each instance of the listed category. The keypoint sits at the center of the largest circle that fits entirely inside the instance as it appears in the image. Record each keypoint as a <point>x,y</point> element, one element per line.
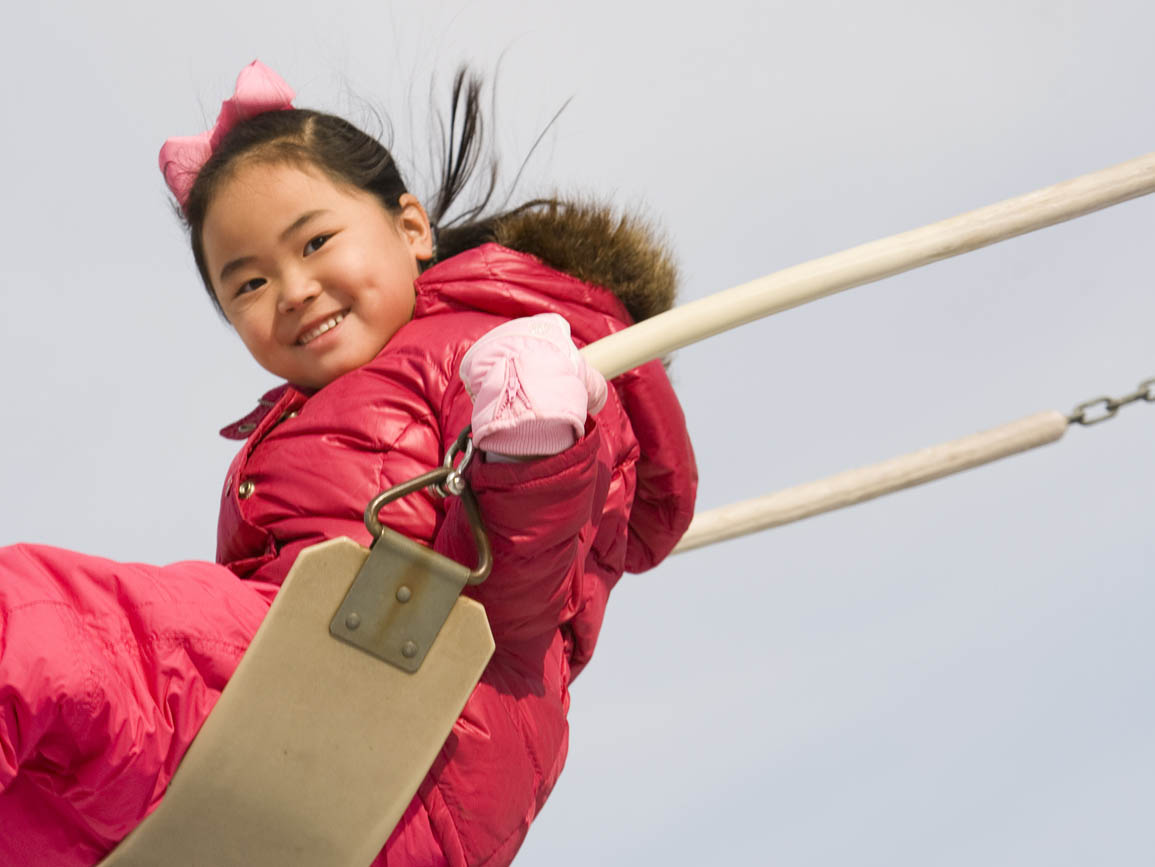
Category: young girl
<point>392,336</point>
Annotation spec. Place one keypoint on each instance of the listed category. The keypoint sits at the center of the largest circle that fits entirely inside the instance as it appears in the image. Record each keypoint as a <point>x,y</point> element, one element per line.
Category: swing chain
<point>1111,405</point>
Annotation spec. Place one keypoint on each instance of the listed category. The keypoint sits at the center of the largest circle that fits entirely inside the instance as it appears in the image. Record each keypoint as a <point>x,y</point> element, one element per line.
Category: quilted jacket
<point>107,669</point>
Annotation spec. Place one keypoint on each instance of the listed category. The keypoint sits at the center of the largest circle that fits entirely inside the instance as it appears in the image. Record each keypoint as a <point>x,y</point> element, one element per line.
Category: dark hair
<point>349,156</point>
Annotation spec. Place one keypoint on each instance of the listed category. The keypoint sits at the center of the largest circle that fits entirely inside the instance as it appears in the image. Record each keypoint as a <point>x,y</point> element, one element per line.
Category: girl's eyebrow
<point>300,221</point>
<point>289,230</point>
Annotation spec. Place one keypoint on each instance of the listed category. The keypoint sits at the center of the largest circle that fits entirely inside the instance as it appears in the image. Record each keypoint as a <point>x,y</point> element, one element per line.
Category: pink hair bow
<point>258,90</point>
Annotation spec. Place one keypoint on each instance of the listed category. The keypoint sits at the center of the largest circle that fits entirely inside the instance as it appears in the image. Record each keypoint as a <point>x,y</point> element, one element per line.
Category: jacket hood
<point>591,242</point>
<point>507,283</point>
<point>622,252</point>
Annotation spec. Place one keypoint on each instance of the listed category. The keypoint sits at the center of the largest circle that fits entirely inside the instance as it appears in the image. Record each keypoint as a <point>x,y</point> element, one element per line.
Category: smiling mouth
<point>320,328</point>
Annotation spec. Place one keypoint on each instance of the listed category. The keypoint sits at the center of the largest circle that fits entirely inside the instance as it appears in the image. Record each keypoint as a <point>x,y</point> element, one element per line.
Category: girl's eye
<point>316,243</point>
<point>251,285</point>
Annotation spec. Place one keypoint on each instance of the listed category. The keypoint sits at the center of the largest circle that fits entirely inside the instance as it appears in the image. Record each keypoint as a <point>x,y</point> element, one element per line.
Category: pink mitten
<point>531,388</point>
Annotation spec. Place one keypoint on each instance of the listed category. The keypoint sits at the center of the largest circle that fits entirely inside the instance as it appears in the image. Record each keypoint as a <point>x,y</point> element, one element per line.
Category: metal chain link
<point>1111,405</point>
<point>454,482</point>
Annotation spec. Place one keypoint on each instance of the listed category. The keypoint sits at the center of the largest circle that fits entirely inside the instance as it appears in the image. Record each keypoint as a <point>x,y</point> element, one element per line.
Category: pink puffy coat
<point>107,669</point>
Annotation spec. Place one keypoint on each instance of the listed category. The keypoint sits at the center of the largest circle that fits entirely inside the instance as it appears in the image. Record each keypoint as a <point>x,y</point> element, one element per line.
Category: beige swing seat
<point>315,747</point>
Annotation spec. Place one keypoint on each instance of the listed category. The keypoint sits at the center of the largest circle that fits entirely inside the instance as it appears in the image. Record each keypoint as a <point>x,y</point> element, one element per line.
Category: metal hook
<point>445,480</point>
<point>454,482</point>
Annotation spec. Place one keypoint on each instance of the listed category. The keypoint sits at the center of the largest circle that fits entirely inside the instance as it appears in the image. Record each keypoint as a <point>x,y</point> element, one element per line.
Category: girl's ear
<point>413,224</point>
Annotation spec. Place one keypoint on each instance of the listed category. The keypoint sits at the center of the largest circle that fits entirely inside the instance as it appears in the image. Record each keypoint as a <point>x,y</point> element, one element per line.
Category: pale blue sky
<point>956,675</point>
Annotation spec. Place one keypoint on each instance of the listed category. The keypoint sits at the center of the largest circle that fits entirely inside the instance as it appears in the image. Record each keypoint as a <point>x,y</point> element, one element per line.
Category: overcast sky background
<point>955,675</point>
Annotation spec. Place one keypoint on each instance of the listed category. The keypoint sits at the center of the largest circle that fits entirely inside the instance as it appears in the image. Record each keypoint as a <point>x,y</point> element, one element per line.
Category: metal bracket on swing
<point>403,594</point>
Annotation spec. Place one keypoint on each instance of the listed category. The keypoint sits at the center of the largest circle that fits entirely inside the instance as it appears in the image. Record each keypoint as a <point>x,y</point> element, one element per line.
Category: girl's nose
<point>296,293</point>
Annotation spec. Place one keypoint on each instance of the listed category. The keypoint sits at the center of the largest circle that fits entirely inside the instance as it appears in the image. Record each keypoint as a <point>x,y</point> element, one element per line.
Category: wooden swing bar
<point>794,286</point>
<point>866,483</point>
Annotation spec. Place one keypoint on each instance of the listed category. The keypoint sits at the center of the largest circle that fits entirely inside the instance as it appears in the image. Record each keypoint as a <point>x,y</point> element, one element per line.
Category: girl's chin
<point>316,376</point>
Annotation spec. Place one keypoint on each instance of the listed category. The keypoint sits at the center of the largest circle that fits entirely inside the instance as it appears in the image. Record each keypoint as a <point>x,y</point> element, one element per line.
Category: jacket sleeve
<point>540,517</point>
<point>667,475</point>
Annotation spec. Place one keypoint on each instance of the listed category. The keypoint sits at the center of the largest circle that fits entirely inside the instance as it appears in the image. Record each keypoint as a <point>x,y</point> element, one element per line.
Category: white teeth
<point>314,333</point>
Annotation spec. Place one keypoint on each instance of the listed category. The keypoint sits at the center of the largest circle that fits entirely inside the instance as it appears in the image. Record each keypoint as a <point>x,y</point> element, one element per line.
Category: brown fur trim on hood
<point>624,253</point>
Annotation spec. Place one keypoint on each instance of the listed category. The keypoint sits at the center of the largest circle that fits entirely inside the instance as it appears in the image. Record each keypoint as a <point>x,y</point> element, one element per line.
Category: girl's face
<point>315,277</point>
